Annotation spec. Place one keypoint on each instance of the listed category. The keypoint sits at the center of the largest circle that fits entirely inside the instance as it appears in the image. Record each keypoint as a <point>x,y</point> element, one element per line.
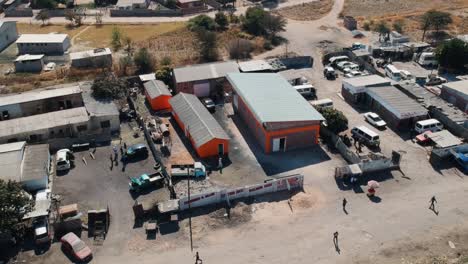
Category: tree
<point>436,20</point>
<point>398,26</point>
<point>239,48</point>
<point>79,16</point>
<point>166,61</point>
<point>70,15</point>
<point>128,43</point>
<point>336,120</point>
<point>109,86</point>
<point>98,17</point>
<point>40,4</point>
<point>273,25</point>
<point>253,21</point>
<point>201,22</point>
<point>116,38</point>
<point>144,61</point>
<point>164,74</point>
<point>208,45</point>
<point>43,15</point>
<point>384,30</point>
<point>453,54</point>
<point>125,63</point>
<point>171,4</point>
<point>221,20</point>
<point>14,204</point>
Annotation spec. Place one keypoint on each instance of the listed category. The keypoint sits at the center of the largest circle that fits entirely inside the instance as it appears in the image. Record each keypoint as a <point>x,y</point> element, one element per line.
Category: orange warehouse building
<point>199,126</point>
<point>157,94</point>
<point>275,113</point>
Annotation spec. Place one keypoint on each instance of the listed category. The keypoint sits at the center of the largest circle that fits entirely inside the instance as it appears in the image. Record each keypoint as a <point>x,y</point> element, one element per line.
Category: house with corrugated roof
<point>205,134</point>
<point>275,113</point>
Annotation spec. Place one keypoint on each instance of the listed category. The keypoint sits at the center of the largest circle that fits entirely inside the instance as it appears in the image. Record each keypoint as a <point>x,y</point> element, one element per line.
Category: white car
<point>346,64</point>
<point>375,120</point>
<point>63,159</point>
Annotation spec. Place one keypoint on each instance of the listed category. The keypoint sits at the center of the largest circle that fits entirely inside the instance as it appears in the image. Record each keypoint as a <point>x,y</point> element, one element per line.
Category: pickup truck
<point>196,169</point>
<point>145,180</point>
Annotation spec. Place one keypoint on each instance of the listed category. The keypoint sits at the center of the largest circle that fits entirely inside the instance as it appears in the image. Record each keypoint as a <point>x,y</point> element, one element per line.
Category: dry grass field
<point>307,11</point>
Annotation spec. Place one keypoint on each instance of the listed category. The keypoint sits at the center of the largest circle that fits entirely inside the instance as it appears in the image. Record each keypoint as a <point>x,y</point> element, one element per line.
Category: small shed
<point>157,94</point>
<point>29,63</point>
<point>199,126</point>
<point>350,23</point>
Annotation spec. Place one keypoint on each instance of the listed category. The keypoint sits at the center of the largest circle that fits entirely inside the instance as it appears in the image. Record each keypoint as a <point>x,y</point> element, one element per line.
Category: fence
<point>336,141</point>
<point>297,62</point>
<point>145,13</point>
<point>228,195</point>
<point>18,12</point>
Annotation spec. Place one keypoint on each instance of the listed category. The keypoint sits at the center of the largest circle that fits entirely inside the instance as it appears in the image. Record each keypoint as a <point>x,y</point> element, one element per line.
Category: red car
<point>74,245</point>
<point>423,137</point>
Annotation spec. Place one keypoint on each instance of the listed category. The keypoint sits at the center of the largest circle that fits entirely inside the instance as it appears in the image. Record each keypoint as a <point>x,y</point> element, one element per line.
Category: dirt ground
<point>306,11</point>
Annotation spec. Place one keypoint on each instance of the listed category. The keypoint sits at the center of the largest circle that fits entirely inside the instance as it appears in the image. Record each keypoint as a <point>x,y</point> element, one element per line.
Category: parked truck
<point>196,169</point>
<point>146,180</point>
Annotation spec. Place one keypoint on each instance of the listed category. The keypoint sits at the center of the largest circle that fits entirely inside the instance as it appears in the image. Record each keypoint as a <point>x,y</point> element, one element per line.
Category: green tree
<point>336,120</point>
<point>43,15</point>
<point>125,63</point>
<point>164,74</point>
<point>453,54</point>
<point>48,4</point>
<point>434,19</point>
<point>116,38</point>
<point>201,22</point>
<point>144,61</point>
<point>253,21</point>
<point>128,46</point>
<point>109,86</point>
<point>221,20</point>
<point>398,26</point>
<point>273,25</point>
<point>171,4</point>
<point>166,61</point>
<point>208,45</point>
<point>383,30</point>
<point>14,204</point>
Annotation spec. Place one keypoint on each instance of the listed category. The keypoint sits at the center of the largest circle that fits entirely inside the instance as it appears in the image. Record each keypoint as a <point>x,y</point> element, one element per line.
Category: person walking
<point>335,241</point>
<point>344,205</point>
<point>432,201</point>
<point>220,164</point>
<point>197,258</point>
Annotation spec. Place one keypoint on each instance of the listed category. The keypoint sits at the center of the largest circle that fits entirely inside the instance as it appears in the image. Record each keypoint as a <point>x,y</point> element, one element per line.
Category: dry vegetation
<point>409,12</point>
<point>307,11</point>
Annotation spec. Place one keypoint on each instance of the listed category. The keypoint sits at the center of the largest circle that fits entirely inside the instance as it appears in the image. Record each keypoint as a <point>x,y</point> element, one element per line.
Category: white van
<point>392,72</point>
<point>427,59</point>
<point>322,103</point>
<point>432,125</point>
<point>306,90</point>
<point>337,59</point>
<point>366,135</point>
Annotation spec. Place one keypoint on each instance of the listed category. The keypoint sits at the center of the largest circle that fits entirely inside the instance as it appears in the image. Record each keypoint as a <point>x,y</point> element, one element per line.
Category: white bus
<point>392,72</point>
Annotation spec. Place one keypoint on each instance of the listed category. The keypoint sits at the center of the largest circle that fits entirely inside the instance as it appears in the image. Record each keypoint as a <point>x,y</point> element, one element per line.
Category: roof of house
<point>36,95</point>
<point>130,2</point>
<point>368,80</point>
<point>156,88</point>
<point>255,65</point>
<point>97,107</point>
<point>43,121</point>
<point>460,86</point>
<point>272,98</point>
<point>147,77</point>
<point>444,139</point>
<point>42,38</point>
<point>35,162</point>
<point>197,120</point>
<point>205,71</point>
<point>188,1</point>
<point>90,53</point>
<point>11,156</point>
<point>28,57</point>
<point>396,102</point>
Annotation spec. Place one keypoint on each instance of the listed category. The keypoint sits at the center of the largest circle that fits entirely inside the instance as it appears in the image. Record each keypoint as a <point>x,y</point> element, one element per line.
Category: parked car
<point>366,135</point>
<point>375,120</point>
<point>435,80</point>
<point>63,158</point>
<point>41,230</point>
<point>72,244</point>
<point>209,104</point>
<point>346,64</point>
<point>329,73</point>
<point>335,60</point>
<point>423,138</point>
<point>137,151</point>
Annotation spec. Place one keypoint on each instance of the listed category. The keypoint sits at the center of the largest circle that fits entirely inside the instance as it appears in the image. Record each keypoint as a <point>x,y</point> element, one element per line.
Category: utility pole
<point>189,207</point>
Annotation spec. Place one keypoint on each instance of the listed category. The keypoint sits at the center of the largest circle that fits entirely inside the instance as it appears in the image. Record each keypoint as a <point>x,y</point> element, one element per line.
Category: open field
<point>100,36</point>
<point>307,11</point>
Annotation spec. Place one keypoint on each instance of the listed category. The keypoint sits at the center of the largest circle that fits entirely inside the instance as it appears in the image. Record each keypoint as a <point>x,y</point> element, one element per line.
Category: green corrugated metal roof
<point>271,98</point>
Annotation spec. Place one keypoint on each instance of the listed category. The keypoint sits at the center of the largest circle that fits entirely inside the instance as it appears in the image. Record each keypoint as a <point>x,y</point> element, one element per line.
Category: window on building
<point>82,128</point>
<point>5,115</point>
<point>69,104</point>
<point>61,104</point>
<point>11,140</point>
<point>35,138</point>
<point>105,124</point>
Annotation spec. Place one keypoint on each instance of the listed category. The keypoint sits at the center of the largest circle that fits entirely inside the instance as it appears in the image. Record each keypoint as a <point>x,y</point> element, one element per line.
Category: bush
<point>259,22</point>
<point>164,74</point>
<point>336,120</point>
<point>144,61</point>
<point>398,26</point>
<point>366,26</point>
<point>453,54</point>
<point>208,44</point>
<point>221,20</point>
<point>109,87</point>
<point>116,38</point>
<point>239,48</point>
<point>201,22</point>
